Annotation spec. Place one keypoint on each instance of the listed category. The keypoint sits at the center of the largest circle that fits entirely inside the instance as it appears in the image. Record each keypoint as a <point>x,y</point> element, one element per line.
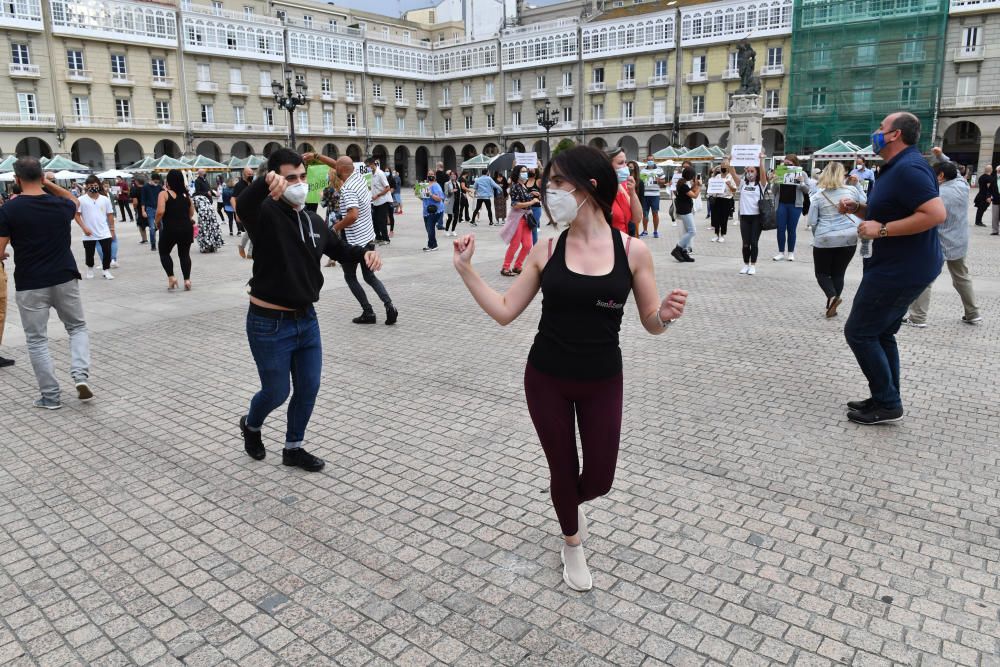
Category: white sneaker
<point>780,257</point>
<point>791,257</point>
<point>752,271</point>
<point>576,574</point>
<point>114,264</point>
<point>108,276</point>
<point>745,270</point>
<point>722,239</point>
<point>90,274</point>
<point>715,239</point>
<point>581,523</point>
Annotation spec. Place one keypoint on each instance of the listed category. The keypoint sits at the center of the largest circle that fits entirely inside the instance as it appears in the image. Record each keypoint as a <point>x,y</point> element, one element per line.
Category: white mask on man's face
<point>295,194</point>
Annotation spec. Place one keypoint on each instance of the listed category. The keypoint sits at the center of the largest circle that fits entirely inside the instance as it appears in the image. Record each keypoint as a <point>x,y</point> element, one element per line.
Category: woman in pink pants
<point>520,200</point>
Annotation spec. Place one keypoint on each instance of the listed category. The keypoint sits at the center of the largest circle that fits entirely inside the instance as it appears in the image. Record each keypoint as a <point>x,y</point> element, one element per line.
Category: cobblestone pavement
<point>749,523</point>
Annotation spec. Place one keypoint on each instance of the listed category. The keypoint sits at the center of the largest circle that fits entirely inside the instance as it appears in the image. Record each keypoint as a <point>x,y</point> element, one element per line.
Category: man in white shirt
<point>97,215</point>
<point>381,201</point>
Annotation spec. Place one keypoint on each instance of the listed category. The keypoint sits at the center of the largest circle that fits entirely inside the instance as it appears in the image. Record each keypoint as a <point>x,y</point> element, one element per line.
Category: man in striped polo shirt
<point>358,229</point>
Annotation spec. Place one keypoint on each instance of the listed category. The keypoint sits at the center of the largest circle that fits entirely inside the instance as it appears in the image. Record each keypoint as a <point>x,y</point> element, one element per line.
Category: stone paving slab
<point>749,524</point>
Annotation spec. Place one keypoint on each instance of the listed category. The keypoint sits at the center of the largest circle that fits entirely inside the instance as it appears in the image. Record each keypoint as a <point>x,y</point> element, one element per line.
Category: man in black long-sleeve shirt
<point>282,328</point>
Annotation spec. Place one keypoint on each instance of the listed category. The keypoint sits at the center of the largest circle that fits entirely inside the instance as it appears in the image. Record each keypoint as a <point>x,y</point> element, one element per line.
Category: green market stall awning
<point>62,163</point>
<point>668,153</point>
<point>838,150</point>
<point>478,162</point>
<point>204,162</point>
<point>7,164</point>
<point>701,153</point>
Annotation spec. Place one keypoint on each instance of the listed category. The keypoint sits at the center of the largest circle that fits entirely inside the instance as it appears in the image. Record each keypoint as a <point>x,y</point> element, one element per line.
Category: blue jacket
<point>486,187</point>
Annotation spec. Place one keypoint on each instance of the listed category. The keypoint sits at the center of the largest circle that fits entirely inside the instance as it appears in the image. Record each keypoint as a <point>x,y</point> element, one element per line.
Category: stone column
<point>745,120</point>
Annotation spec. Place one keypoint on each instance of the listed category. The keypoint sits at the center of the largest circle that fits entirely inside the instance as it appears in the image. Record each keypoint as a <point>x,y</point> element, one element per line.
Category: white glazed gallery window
<point>158,67</point>
<point>328,121</point>
<point>123,110</point>
<point>118,65</point>
<point>378,123</point>
<point>268,117</point>
<point>420,95</point>
<point>401,123</point>
<point>447,124</point>
<point>27,106</point>
<point>628,72</point>
<point>597,112</point>
<point>771,99</point>
<point>399,92</point>
<point>162,111</point>
<point>628,110</point>
<point>698,105</point>
<point>422,125</point>
<point>489,90</point>
<point>352,121</point>
<point>597,76</point>
<point>302,119</point>
<point>324,85</point>
<point>515,86</point>
<point>540,82</point>
<point>660,68</point>
<point>208,113</point>
<point>515,118</point>
<point>19,54</point>
<point>775,56</point>
<point>239,116</point>
<point>265,79</point>
<point>491,121</point>
<point>74,60</point>
<point>349,87</point>
<point>468,122</point>
<point>446,94</point>
<point>81,108</point>
<point>567,79</point>
<point>204,72</point>
<point>467,91</point>
<point>567,114</point>
<point>376,89</point>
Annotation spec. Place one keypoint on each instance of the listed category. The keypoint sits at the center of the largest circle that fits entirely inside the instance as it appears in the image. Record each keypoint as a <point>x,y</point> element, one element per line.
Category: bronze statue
<point>746,63</point>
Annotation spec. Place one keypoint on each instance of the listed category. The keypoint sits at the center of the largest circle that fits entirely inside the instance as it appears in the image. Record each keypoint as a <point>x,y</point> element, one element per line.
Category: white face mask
<point>562,205</point>
<point>295,195</point>
<point>623,173</point>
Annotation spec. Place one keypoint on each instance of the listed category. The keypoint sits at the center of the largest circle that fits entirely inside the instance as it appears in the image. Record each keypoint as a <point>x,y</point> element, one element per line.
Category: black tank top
<point>177,215</point>
<point>581,317</point>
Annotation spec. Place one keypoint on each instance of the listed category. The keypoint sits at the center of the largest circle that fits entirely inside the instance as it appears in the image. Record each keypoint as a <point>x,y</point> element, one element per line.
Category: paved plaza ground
<point>749,524</point>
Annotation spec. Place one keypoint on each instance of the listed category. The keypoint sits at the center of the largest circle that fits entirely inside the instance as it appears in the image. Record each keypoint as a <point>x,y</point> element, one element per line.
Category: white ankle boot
<point>576,574</point>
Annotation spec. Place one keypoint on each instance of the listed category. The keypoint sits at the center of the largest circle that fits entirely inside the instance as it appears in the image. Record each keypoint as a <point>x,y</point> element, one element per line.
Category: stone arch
<point>468,152</point>
<point>541,149</point>
<point>516,147</point>
<point>599,143</point>
<point>961,142</point>
<point>491,149</point>
<point>210,149</point>
<point>773,141</point>
<point>448,157</point>
<point>270,147</point>
<point>658,142</point>
<point>305,147</point>
<point>354,152</point>
<point>381,153</point>
<point>422,161</point>
<point>88,152</point>
<point>401,162</point>
<point>33,146</point>
<point>241,149</point>
<point>166,147</point>
<point>724,140</point>
<point>695,139</point>
<point>330,150</point>
<point>631,147</point>
<point>127,151</point>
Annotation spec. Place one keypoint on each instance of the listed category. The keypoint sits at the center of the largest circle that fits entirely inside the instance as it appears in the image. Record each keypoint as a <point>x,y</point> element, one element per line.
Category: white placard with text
<point>745,155</point>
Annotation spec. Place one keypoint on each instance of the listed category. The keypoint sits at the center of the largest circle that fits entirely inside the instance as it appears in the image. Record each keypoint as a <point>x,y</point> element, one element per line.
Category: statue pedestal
<point>745,120</point>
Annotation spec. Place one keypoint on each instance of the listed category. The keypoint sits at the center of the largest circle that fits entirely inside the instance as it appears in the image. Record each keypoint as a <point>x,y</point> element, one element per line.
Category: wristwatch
<point>884,232</point>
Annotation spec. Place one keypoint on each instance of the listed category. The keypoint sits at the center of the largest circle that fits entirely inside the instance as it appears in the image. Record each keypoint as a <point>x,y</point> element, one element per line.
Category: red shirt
<point>621,210</point>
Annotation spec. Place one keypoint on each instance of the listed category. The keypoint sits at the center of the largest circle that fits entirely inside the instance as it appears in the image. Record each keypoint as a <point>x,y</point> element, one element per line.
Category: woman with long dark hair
<point>520,200</point>
<point>534,186</point>
<point>500,198</point>
<point>174,215</point>
<point>627,208</point>
<point>752,189</point>
<point>574,370</point>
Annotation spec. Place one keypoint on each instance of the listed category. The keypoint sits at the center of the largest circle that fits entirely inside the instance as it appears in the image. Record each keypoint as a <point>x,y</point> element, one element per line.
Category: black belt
<point>271,313</point>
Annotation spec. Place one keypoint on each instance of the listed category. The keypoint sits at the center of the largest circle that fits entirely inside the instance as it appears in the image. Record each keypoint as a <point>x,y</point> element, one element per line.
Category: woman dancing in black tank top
<point>574,369</point>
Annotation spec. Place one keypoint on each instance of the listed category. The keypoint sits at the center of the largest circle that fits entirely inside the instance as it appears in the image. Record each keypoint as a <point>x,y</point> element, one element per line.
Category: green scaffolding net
<point>855,62</point>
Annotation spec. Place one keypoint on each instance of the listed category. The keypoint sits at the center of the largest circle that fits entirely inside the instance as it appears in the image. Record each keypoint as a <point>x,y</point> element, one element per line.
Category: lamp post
<point>60,135</point>
<point>547,118</point>
<point>289,100</point>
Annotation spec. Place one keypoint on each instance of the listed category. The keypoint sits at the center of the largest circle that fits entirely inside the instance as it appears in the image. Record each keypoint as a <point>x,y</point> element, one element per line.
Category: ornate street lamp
<point>289,100</point>
<point>547,118</point>
<point>60,135</point>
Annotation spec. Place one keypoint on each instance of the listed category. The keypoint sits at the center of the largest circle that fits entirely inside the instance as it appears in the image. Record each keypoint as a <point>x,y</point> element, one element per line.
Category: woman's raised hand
<point>465,247</point>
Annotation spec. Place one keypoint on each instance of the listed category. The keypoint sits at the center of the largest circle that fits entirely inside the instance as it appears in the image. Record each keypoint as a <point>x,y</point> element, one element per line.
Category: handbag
<point>432,208</point>
<point>510,226</point>
<point>768,217</point>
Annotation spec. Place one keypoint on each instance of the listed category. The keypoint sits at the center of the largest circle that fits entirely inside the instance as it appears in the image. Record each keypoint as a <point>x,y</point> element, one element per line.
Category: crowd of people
<point>909,220</point>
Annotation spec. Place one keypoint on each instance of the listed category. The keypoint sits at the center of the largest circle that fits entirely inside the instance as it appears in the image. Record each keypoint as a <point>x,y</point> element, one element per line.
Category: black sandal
<point>506,272</point>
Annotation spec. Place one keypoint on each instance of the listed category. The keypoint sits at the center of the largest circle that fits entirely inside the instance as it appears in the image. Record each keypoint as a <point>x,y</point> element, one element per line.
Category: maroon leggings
<point>556,405</point>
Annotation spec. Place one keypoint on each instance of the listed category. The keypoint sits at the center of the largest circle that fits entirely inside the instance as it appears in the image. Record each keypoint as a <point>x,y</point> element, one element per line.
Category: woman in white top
<point>835,234</point>
<point>722,205</point>
<point>98,215</point>
<point>753,187</point>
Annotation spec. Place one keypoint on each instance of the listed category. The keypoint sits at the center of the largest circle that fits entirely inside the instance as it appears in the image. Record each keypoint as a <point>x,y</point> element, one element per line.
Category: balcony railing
<point>444,103</point>
<point>163,82</point>
<point>521,129</point>
<point>422,104</point>
<point>79,75</point>
<point>239,89</point>
<point>539,93</point>
<point>514,96</point>
<point>328,96</point>
<point>696,77</point>
<point>970,52</point>
<point>961,6</point>
<point>626,84</point>
<point>228,14</point>
<point>661,119</point>
<point>911,56</point>
<point>352,98</point>
<point>29,71</point>
<point>702,117</point>
<point>775,112</point>
<point>122,80</point>
<point>487,98</point>
<point>24,14</point>
<point>966,101</point>
<point>121,122</point>
<point>730,73</point>
<point>379,100</point>
<point>239,127</point>
<point>772,70</point>
<point>659,80</point>
<point>8,118</point>
<point>206,87</point>
<point>465,102</point>
<point>596,87</point>
<point>565,91</point>
<point>402,102</point>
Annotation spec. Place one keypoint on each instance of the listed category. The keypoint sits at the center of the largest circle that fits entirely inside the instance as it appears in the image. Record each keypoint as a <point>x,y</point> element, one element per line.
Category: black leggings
<point>556,406</point>
<point>488,203</point>
<point>221,208</point>
<point>167,244</point>
<point>231,217</point>
<point>125,210</point>
<point>88,250</point>
<point>722,208</point>
<point>750,229</point>
<point>830,265</point>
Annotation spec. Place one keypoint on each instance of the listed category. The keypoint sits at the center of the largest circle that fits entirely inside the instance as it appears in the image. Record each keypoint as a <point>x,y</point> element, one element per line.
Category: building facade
<point>110,82</point>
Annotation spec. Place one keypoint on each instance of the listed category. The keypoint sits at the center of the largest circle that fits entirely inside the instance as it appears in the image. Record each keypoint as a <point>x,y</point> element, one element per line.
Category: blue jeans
<point>689,230</point>
<point>114,249</point>
<point>151,217</point>
<point>537,212</point>
<point>432,221</point>
<point>870,331</point>
<point>285,349</point>
<point>788,222</point>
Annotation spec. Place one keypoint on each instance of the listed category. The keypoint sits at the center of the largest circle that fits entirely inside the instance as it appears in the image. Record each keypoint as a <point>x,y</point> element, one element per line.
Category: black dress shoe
<point>300,458</point>
<point>252,441</point>
<point>677,254</point>
<point>391,315</point>
<point>875,415</point>
<point>364,318</point>
<point>861,406</point>
<point>5,362</point>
